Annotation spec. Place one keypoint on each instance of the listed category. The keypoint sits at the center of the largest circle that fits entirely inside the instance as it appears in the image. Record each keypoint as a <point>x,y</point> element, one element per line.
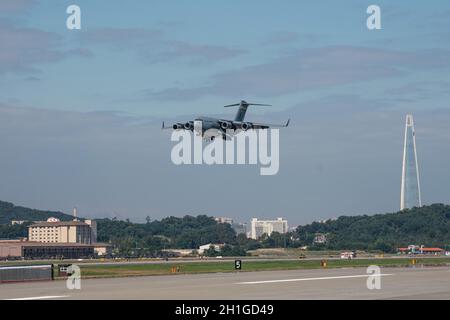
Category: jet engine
<point>226,125</point>
<point>246,126</point>
<point>189,125</point>
<point>178,126</point>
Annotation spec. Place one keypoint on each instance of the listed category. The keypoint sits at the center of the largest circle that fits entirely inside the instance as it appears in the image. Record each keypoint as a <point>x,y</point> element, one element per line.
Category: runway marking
<point>39,298</point>
<point>312,279</point>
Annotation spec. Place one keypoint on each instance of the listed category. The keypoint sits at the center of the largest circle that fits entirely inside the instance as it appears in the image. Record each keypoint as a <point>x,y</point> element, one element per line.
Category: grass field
<point>228,266</point>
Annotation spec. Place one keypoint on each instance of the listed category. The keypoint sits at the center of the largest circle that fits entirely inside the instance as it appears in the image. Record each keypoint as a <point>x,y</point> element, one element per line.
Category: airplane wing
<point>178,126</point>
<point>256,125</point>
<point>166,128</point>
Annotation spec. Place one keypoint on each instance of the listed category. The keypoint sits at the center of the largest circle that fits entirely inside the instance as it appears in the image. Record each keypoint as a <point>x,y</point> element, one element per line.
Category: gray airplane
<point>213,127</point>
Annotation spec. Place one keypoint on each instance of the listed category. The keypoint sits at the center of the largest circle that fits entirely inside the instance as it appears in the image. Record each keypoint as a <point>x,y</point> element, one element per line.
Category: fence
<point>26,273</point>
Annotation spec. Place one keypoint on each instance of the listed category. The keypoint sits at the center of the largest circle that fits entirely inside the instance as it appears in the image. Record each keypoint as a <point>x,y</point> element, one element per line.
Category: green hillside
<point>8,212</point>
<point>428,225</point>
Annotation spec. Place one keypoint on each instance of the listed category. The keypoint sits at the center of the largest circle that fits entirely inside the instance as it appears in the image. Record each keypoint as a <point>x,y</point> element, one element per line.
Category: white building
<point>320,238</point>
<point>216,246</point>
<point>224,220</point>
<point>259,227</point>
<point>55,231</point>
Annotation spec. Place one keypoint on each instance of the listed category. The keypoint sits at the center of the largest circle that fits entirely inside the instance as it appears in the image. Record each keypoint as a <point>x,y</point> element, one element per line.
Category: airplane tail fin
<point>243,105</point>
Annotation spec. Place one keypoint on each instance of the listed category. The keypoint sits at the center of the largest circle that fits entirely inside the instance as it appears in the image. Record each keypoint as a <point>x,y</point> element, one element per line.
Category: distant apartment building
<point>260,227</point>
<point>239,228</point>
<point>224,220</point>
<point>55,231</point>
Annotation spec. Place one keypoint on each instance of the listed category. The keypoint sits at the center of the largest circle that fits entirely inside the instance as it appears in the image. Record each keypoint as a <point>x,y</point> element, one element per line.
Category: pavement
<point>342,283</point>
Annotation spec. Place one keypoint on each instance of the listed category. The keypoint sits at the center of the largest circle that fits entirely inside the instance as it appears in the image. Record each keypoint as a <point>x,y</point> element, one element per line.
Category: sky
<point>81,110</point>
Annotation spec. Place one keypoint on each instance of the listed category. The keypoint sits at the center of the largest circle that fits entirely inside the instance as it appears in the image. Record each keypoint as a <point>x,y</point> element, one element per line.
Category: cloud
<point>120,36</point>
<point>177,94</point>
<point>419,89</point>
<point>288,37</point>
<point>32,79</point>
<point>16,6</point>
<point>194,52</point>
<point>152,46</point>
<point>281,37</point>
<point>312,68</point>
<point>24,49</point>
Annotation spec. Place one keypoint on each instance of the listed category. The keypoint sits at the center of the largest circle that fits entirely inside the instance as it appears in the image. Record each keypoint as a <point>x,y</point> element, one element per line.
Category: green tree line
<point>428,225</point>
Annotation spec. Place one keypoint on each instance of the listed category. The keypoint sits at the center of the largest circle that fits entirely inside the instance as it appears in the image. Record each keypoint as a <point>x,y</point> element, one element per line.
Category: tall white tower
<point>410,192</point>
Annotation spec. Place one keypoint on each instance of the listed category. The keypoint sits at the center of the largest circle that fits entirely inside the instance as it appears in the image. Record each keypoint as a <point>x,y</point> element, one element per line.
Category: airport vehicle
<point>209,128</point>
<point>348,255</point>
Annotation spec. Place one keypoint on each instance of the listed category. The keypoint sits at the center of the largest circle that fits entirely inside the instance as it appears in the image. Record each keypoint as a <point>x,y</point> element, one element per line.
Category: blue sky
<point>81,108</point>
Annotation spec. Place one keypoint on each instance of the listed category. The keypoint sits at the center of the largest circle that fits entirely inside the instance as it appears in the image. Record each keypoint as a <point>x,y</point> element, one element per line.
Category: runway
<point>349,283</point>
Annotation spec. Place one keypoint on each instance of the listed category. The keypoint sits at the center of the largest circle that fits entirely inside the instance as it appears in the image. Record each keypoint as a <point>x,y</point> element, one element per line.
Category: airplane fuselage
<point>210,127</point>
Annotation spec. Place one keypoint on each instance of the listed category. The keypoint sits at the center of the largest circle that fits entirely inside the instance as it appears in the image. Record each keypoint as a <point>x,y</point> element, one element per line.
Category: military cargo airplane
<point>213,127</point>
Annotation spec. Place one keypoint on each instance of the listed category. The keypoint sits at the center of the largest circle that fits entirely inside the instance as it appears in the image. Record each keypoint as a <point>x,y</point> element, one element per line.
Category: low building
<point>179,252</point>
<point>217,246</point>
<point>320,238</point>
<point>260,227</point>
<point>15,249</point>
<point>348,255</point>
<point>14,222</point>
<point>102,249</point>
<point>421,250</point>
<point>10,249</point>
<point>38,250</point>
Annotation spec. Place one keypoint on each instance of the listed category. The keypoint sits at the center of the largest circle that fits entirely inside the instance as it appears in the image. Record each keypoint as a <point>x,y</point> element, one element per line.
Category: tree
<point>211,252</point>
